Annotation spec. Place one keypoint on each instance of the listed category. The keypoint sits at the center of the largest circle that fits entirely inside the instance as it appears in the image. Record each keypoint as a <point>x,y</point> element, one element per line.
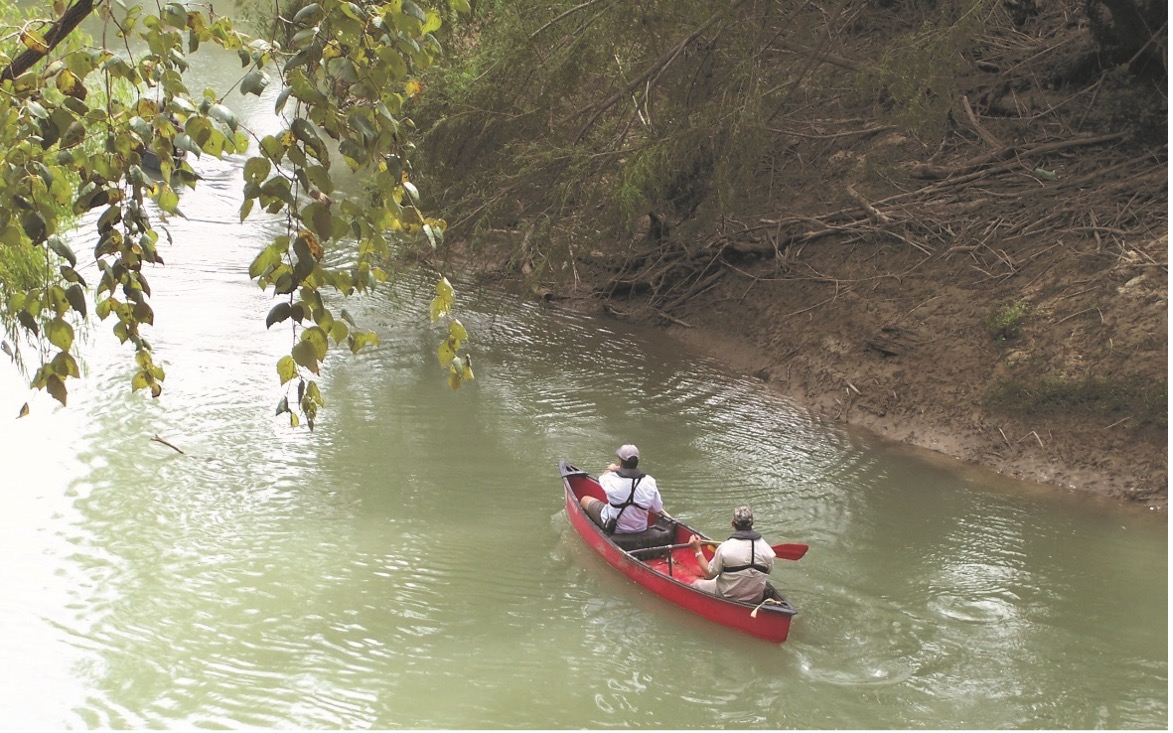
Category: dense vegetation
<point>105,125</point>
<point>678,120</point>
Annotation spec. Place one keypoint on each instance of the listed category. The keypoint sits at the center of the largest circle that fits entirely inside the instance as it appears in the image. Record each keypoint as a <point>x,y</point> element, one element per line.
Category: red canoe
<point>654,560</point>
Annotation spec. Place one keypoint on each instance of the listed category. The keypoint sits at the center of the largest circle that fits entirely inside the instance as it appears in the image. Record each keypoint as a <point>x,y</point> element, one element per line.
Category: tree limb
<point>65,25</point>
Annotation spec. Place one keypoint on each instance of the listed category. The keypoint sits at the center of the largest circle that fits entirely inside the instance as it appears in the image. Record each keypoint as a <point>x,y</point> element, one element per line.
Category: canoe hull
<point>670,575</point>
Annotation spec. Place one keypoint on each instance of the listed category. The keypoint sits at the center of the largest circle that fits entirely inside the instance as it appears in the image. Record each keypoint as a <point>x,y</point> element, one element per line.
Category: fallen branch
<point>985,134</point>
<point>872,211</point>
<point>157,439</point>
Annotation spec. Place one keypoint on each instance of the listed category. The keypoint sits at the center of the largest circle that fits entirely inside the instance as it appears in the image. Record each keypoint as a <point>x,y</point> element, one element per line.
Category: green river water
<point>408,564</point>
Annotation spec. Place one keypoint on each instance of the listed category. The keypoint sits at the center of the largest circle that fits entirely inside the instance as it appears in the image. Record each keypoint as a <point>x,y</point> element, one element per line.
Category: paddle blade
<point>790,551</point>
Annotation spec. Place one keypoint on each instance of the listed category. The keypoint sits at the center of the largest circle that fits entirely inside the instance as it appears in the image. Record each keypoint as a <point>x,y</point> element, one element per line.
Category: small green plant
<point>1004,323</point>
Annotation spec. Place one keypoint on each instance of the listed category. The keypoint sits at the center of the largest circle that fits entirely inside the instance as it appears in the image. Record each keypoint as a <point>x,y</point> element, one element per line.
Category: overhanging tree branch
<point>61,29</point>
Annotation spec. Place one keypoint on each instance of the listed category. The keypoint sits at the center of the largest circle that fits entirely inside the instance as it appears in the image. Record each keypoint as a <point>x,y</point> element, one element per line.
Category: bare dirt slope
<point>910,358</point>
<point>897,342</point>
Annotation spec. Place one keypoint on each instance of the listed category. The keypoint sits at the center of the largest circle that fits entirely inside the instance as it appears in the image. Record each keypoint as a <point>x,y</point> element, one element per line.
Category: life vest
<point>749,535</point>
<point>636,476</point>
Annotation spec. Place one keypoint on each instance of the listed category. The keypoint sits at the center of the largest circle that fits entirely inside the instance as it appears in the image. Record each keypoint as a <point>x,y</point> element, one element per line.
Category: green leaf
<point>65,364</point>
<point>319,176</point>
<point>303,37</point>
<point>281,98</point>
<point>442,303</point>
<point>254,82</point>
<point>272,147</point>
<point>316,336</point>
<point>223,114</point>
<point>307,132</point>
<point>141,380</point>
<point>60,334</point>
<point>317,217</point>
<point>279,313</point>
<point>76,296</point>
<point>72,136</point>
<point>412,191</point>
<point>305,354</point>
<point>34,225</point>
<point>111,216</point>
<point>433,22</point>
<point>445,291</point>
<point>62,249</point>
<point>359,340</point>
<point>268,257</point>
<point>256,170</point>
<point>414,10</point>
<point>168,199</point>
<point>30,324</point>
<point>457,332</point>
<point>283,405</point>
<point>353,11</point>
<point>286,368</point>
<point>56,388</point>
<point>309,14</point>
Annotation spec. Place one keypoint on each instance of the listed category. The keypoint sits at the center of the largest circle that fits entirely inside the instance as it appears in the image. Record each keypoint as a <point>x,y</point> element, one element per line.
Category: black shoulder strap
<point>630,500</point>
<point>752,557</point>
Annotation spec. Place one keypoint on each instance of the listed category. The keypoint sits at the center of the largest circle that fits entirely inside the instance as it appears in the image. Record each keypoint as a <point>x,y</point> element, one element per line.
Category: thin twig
<point>157,439</point>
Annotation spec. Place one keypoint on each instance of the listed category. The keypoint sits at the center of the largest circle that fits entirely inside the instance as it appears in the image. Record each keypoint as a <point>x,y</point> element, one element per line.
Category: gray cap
<point>627,452</point>
<point>743,517</point>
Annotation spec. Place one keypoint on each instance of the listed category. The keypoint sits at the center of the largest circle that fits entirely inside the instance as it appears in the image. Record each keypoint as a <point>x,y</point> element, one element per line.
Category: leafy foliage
<point>682,112</point>
<point>601,116</point>
<point>74,144</point>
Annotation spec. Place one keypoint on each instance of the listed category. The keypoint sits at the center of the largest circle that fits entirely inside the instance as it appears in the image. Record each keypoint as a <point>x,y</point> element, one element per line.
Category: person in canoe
<point>633,500</point>
<point>740,564</point>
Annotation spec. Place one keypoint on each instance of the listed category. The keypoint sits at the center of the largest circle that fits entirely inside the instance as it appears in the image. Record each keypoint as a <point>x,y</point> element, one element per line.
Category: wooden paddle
<point>786,551</point>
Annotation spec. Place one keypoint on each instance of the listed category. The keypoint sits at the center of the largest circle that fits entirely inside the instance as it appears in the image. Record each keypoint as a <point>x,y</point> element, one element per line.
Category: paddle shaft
<point>786,551</point>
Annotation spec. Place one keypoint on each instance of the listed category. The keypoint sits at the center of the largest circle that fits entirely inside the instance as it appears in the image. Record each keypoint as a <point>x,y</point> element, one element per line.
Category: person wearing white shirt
<point>633,500</point>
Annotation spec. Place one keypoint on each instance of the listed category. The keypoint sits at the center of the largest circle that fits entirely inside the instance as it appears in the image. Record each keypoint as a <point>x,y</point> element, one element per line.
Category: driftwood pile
<point>996,209</point>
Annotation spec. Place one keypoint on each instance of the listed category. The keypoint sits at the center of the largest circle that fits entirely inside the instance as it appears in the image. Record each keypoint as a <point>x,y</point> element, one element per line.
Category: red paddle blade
<point>790,551</point>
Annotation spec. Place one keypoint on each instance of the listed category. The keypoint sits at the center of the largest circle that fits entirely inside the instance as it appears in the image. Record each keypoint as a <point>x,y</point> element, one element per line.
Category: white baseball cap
<point>627,452</point>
